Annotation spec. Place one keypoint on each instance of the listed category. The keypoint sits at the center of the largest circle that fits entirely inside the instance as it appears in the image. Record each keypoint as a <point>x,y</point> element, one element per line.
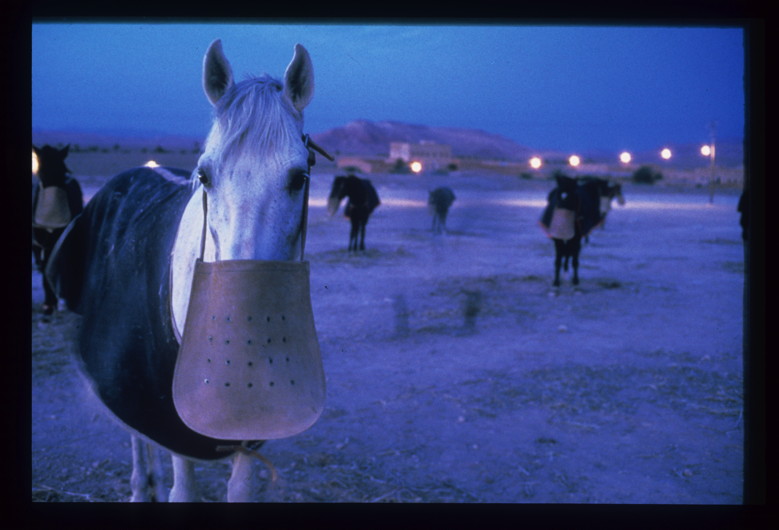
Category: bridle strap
<point>205,223</point>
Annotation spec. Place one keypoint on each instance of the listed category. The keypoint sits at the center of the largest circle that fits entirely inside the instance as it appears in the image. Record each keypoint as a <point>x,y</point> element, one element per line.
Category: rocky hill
<point>368,138</point>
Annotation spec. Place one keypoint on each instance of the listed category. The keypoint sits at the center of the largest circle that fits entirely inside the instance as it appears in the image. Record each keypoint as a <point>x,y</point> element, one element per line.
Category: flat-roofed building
<point>431,155</point>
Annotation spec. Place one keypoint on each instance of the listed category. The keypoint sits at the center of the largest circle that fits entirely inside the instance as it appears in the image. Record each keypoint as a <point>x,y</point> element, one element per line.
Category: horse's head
<point>337,193</point>
<point>52,170</point>
<point>254,166</point>
<point>616,191</point>
<point>566,192</point>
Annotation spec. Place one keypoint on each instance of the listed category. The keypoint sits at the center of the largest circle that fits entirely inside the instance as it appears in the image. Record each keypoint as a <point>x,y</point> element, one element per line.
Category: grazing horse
<point>56,200</point>
<point>129,266</point>
<point>572,211</point>
<point>438,202</point>
<point>363,199</point>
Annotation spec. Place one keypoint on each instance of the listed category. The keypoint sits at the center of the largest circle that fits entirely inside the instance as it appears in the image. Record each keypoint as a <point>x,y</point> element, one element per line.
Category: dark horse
<point>438,202</point>
<point>572,212</point>
<point>56,200</point>
<point>363,199</point>
<point>127,266</point>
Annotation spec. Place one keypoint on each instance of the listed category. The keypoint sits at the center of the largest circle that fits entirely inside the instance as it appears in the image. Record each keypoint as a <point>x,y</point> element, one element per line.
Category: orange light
<point>665,154</point>
<point>151,163</point>
<point>535,162</point>
<point>625,157</point>
<point>574,160</point>
<point>34,163</point>
<point>416,166</point>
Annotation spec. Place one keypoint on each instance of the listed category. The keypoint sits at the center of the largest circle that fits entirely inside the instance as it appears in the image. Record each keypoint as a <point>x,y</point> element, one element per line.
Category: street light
<point>574,160</point>
<point>625,157</point>
<point>536,162</point>
<point>416,166</point>
<point>34,163</point>
<point>665,154</point>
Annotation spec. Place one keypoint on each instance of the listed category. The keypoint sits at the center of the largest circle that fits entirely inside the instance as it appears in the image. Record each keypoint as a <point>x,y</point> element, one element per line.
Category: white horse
<point>253,175</point>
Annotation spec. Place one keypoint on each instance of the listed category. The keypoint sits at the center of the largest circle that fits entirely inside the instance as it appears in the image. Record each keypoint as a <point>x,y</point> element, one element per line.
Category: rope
<point>249,452</point>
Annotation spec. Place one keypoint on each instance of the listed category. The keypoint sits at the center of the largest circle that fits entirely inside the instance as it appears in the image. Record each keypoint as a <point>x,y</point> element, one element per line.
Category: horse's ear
<point>299,79</point>
<point>217,72</point>
<point>64,151</point>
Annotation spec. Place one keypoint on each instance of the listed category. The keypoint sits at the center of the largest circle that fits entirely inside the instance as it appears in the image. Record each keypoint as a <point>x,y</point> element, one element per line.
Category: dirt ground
<point>457,374</point>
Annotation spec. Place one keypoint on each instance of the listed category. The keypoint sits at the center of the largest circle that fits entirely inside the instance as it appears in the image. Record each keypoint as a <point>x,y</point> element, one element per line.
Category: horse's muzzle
<point>249,366</point>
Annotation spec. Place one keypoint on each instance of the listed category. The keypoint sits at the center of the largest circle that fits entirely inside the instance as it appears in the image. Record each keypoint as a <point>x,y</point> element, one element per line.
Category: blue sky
<point>546,87</point>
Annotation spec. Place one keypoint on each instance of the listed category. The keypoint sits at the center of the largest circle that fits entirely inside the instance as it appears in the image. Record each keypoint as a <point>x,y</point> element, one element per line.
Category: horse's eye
<point>297,180</point>
<point>203,176</point>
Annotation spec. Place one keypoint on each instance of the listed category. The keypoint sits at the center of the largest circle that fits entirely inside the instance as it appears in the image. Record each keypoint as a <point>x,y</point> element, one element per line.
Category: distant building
<point>433,156</point>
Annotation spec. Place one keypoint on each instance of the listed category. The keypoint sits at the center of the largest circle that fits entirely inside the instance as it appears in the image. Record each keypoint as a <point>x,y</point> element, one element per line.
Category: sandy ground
<point>457,374</point>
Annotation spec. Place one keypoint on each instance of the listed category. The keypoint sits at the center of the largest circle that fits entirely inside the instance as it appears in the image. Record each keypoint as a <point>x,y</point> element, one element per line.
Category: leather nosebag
<point>249,366</point>
<point>52,210</point>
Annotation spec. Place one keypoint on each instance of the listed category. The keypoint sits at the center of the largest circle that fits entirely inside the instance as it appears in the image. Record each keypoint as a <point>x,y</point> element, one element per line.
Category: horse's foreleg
<point>575,260</point>
<point>353,233</point>
<point>184,485</point>
<point>240,485</point>
<point>362,236</point>
<point>157,473</point>
<point>558,260</point>
<point>139,480</point>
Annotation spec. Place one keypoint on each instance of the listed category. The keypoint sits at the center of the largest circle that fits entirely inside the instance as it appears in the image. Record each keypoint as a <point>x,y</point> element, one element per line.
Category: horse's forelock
<point>255,113</point>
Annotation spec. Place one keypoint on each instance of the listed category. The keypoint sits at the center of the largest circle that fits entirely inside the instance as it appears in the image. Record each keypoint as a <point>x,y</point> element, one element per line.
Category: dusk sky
<point>546,87</point>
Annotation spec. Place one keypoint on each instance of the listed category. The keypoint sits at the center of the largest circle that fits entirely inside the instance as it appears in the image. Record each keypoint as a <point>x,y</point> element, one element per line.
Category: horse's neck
<point>186,250</point>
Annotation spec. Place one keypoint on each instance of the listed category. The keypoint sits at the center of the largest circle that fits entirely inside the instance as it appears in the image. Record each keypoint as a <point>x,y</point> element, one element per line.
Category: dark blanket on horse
<point>112,266</point>
<point>587,216</point>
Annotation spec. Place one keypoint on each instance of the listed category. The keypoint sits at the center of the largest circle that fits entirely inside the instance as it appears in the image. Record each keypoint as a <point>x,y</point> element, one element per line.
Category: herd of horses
<point>126,262</point>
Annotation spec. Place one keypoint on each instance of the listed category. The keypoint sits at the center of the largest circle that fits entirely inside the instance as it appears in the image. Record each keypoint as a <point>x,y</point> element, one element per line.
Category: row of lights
<point>575,160</point>
<point>624,157</point>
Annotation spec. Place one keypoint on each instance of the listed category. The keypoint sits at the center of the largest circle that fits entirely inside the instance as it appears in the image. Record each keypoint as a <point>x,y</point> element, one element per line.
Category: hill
<point>366,138</point>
